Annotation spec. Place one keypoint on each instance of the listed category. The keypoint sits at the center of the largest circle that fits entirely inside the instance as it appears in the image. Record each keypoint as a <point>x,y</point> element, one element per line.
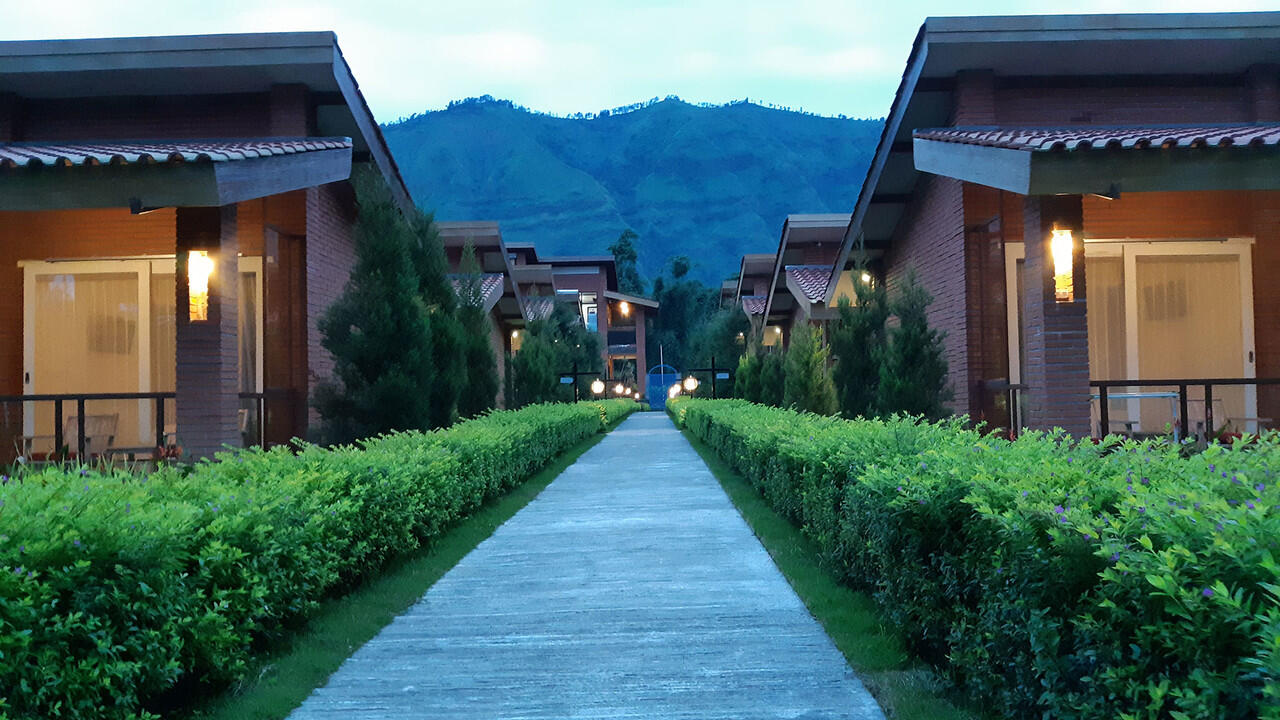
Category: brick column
<point>1055,334</point>
<point>1264,92</point>
<point>642,363</point>
<point>208,374</point>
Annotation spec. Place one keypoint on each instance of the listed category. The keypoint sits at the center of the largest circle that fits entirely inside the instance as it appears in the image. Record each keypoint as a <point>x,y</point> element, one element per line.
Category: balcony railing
<point>253,413</point>
<point>1176,390</point>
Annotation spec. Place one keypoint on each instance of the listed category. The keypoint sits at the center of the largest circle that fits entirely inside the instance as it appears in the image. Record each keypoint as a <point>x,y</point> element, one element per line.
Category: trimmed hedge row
<point>1043,576</point>
<point>120,594</point>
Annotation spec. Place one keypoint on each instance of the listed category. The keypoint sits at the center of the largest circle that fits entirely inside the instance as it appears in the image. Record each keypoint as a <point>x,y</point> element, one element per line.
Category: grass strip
<point>904,687</point>
<point>281,681</point>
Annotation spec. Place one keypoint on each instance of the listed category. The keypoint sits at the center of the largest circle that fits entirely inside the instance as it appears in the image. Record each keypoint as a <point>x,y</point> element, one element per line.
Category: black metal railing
<point>1183,386</point>
<point>1105,394</point>
<point>256,400</point>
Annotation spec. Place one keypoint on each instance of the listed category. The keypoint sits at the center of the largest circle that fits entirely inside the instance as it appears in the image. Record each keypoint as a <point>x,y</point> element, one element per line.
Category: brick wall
<point>131,118</point>
<point>930,241</point>
<point>498,345</point>
<point>986,317</point>
<point>1266,298</point>
<point>1059,106</point>
<point>331,254</point>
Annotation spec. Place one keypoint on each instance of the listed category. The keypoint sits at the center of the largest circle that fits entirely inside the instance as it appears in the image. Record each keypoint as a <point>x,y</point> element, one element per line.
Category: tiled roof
<point>753,304</point>
<point>125,153</point>
<point>1084,138</point>
<point>540,307</point>
<point>812,279</point>
<point>489,283</point>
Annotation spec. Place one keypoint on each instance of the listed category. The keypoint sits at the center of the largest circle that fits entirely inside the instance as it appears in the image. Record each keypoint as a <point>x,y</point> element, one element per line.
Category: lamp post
<point>597,386</point>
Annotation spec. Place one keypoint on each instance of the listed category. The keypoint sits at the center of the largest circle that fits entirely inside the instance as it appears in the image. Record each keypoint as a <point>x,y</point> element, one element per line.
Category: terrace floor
<point>630,588</point>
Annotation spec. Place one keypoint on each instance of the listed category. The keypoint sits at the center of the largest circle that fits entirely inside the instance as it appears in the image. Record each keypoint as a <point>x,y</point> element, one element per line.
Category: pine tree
<point>808,385</point>
<point>624,260</point>
<point>772,378</point>
<point>913,369</point>
<point>378,330</point>
<point>746,381</point>
<point>447,336</point>
<point>478,392</point>
<point>857,341</point>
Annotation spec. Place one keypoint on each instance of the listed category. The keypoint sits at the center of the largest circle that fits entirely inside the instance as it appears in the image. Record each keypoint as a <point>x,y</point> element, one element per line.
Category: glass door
<point>86,330</point>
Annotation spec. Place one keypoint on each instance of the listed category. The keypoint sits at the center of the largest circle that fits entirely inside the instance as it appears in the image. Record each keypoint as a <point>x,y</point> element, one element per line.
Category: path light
<point>199,268</point>
<point>1061,246</point>
<point>673,391</point>
<point>691,383</point>
<point>617,389</point>
<point>637,396</point>
<point>597,386</point>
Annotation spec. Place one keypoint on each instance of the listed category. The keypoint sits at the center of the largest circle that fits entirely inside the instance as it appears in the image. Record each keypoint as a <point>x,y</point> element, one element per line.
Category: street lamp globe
<point>674,390</point>
<point>617,389</point>
<point>691,383</point>
<point>597,386</point>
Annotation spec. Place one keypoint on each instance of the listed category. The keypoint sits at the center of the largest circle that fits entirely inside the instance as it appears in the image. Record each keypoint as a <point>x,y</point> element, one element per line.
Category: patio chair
<point>99,432</point>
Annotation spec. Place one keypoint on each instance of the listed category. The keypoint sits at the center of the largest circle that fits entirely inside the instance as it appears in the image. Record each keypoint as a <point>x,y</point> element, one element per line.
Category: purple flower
<point>922,502</point>
<point>1024,493</point>
<point>1218,527</point>
<point>1146,481</point>
<point>83,472</point>
<point>1141,509</point>
<point>1058,509</point>
<point>22,549</point>
<point>1115,557</point>
<point>1068,460</point>
<point>899,488</point>
<point>76,543</point>
<point>1260,487</point>
<point>1248,504</point>
<point>1207,592</point>
<point>1212,467</point>
<point>999,570</point>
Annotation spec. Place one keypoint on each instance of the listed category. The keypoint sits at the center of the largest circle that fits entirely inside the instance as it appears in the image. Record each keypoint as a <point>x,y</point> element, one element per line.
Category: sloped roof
<point>811,279</point>
<point>753,304</point>
<point>491,286</point>
<point>126,153</point>
<point>540,307</point>
<point>1089,138</point>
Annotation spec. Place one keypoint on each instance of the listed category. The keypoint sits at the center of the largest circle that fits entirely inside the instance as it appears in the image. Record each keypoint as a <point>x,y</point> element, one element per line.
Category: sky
<point>831,57</point>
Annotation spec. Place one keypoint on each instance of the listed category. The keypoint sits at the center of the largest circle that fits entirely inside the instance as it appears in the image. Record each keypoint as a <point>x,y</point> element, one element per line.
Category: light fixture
<point>866,277</point>
<point>1061,246</point>
<point>597,386</point>
<point>691,383</point>
<point>637,396</point>
<point>515,334</point>
<point>625,308</point>
<point>199,268</point>
<point>673,391</point>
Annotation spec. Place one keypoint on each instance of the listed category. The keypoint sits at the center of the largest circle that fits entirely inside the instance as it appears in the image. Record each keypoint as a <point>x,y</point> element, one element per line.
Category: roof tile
<point>1124,138</point>
<point>812,279</point>
<point>127,153</point>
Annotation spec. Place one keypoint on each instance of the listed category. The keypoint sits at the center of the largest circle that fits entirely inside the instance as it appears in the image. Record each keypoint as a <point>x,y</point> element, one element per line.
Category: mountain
<point>710,182</point>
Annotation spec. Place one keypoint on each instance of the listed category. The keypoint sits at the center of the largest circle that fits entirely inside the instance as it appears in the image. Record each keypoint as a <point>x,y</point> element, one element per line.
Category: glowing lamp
<point>1061,245</point>
<point>515,334</point>
<point>866,277</point>
<point>597,386</point>
<point>625,308</point>
<point>199,268</point>
<point>617,389</point>
<point>673,391</point>
<point>637,396</point>
<point>691,383</point>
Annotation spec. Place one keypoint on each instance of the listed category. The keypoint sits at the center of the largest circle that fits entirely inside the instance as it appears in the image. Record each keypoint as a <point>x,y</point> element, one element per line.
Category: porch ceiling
<point>65,176</point>
<point>1105,161</point>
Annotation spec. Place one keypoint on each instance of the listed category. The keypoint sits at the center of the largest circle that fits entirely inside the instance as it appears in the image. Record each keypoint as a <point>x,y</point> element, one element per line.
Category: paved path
<point>630,588</point>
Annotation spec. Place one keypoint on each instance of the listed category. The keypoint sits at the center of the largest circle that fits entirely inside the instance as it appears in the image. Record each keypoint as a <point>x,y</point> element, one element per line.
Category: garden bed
<point>1044,577</point>
<point>121,593</point>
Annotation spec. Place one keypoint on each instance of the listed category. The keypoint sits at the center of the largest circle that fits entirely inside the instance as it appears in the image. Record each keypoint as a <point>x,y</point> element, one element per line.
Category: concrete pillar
<point>208,375</point>
<point>1055,334</point>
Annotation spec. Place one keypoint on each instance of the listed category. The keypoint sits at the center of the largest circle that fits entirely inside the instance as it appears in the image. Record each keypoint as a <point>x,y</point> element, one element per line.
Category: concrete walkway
<point>630,588</point>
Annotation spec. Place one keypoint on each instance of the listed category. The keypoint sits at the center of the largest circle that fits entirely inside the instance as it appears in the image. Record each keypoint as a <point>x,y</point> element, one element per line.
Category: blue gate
<point>659,379</point>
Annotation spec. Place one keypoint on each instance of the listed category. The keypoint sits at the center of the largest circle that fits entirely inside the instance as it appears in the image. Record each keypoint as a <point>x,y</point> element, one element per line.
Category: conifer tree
<point>772,378</point>
<point>807,385</point>
<point>857,342</point>
<point>913,369</point>
<point>478,392</point>
<point>447,336</point>
<point>378,330</point>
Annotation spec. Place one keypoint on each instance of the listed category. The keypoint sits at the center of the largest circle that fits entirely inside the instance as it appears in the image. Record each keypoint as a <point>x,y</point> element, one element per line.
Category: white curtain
<point>87,341</point>
<point>1107,354</point>
<point>1189,325</point>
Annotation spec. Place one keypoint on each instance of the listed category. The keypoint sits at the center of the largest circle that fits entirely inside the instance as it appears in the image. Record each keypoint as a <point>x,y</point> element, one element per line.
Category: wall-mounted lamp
<point>624,307</point>
<point>1061,247</point>
<point>199,268</point>
<point>866,277</point>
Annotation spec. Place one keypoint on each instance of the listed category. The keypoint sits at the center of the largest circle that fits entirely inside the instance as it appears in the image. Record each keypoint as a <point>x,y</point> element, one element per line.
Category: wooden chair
<point>99,436</point>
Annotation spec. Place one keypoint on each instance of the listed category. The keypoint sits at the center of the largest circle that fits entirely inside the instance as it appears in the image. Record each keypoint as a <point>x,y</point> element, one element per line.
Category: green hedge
<point>121,594</point>
<point>1045,577</point>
